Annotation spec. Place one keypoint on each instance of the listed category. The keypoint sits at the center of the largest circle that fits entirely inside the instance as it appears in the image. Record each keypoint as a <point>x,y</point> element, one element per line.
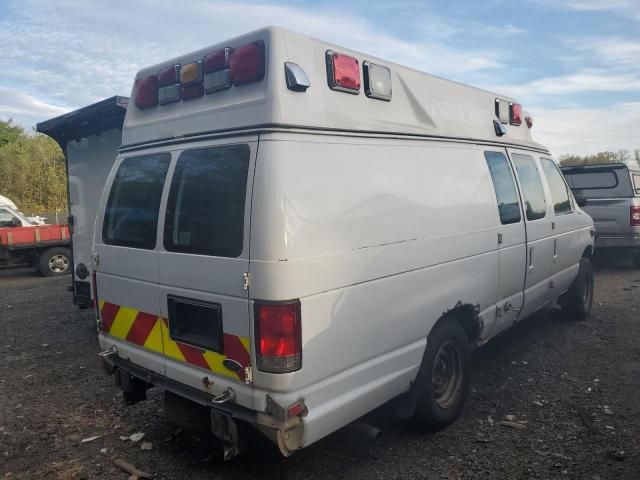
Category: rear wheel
<point>55,261</point>
<point>578,300</point>
<point>443,380</point>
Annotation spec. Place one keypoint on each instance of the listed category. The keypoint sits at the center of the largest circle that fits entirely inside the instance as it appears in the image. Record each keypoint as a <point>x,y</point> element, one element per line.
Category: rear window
<point>600,183</point>
<point>131,216</point>
<point>531,186</point>
<point>205,211</point>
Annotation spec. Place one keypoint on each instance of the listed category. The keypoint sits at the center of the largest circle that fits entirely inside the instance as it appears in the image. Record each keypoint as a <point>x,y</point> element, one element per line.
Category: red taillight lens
<point>635,216</point>
<point>343,72</point>
<point>246,63</point>
<point>278,336</point>
<point>516,114</point>
<point>169,75</point>
<point>147,92</point>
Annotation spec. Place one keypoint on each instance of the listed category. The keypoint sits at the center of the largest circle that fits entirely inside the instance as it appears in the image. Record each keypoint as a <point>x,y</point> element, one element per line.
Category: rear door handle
<point>531,258</point>
<point>555,249</point>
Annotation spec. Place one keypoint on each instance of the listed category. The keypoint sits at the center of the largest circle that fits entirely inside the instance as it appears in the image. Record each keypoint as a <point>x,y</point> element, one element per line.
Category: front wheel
<point>55,261</point>
<point>443,380</point>
<point>578,300</point>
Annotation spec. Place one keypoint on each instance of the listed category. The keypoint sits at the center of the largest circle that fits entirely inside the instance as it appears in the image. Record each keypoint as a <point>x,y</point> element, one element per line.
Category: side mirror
<point>580,199</point>
<point>16,222</point>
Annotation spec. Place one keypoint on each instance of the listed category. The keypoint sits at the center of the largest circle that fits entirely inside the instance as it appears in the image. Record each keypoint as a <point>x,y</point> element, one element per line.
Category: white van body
<point>7,202</point>
<point>379,219</point>
<point>90,138</point>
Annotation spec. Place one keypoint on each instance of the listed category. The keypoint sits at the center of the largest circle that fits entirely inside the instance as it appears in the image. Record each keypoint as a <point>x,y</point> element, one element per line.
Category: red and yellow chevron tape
<point>152,333</point>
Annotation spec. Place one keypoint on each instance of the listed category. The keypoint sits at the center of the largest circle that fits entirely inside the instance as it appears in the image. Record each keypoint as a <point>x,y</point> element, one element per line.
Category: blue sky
<point>574,64</point>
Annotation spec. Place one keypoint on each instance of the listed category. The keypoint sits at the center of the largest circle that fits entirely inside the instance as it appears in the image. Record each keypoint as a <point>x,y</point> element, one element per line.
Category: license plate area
<point>196,323</point>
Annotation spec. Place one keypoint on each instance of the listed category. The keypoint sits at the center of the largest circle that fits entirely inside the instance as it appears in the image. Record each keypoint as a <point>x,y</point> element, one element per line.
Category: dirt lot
<point>577,385</point>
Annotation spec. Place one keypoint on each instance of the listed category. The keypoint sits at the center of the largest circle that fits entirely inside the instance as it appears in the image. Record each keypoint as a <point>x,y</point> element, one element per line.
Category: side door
<point>203,265</point>
<point>511,241</point>
<point>126,266</point>
<point>565,226</point>
<point>539,253</point>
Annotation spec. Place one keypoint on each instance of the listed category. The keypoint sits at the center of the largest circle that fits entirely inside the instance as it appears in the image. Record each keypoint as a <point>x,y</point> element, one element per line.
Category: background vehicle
<point>612,195</point>
<point>23,242</point>
<point>294,233</point>
<point>89,138</point>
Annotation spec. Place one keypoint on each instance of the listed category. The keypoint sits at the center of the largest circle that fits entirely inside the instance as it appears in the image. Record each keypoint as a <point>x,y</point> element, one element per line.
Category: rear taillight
<point>635,216</point>
<point>94,288</point>
<point>278,336</point>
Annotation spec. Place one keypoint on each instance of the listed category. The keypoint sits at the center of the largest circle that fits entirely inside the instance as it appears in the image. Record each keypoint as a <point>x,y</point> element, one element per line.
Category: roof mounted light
<point>502,110</point>
<point>246,63</point>
<point>377,81</point>
<point>146,92</point>
<point>515,115</point>
<point>297,79</point>
<point>216,71</point>
<point>528,119</point>
<point>343,72</point>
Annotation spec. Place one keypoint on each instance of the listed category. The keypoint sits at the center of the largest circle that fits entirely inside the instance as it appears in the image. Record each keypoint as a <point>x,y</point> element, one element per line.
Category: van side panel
<point>377,240</point>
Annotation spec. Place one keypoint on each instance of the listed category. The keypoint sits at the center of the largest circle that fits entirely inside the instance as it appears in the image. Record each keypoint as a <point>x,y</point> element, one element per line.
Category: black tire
<point>440,401</point>
<point>636,259</point>
<point>577,302</point>
<point>55,261</point>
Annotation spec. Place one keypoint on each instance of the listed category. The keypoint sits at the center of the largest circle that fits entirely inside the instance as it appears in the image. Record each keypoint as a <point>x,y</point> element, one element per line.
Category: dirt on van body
<point>568,394</point>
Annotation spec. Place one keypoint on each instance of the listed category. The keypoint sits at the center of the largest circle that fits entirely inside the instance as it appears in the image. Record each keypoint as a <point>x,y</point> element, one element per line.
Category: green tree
<point>32,170</point>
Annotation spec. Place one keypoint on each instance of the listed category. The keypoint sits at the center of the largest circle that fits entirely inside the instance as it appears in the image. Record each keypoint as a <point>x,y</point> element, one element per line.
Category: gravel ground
<point>574,387</point>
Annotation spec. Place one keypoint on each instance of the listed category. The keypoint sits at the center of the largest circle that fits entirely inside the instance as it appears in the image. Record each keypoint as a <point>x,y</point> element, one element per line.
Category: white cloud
<point>588,130</point>
<point>625,7</point>
<point>17,104</point>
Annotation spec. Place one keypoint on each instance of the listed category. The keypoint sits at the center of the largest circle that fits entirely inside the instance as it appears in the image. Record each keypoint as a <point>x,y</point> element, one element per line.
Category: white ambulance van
<point>295,233</point>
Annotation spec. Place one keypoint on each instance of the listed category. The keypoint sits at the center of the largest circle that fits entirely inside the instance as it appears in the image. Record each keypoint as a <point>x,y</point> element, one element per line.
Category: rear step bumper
<point>288,435</point>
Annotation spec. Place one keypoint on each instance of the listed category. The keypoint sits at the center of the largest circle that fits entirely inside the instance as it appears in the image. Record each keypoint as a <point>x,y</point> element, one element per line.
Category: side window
<point>131,216</point>
<point>536,203</point>
<point>504,186</point>
<point>205,211</point>
<point>6,218</point>
<point>559,192</point>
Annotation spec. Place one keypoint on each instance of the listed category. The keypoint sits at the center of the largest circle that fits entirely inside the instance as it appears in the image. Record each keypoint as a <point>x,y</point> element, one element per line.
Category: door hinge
<point>245,280</point>
<point>248,375</point>
<point>499,239</point>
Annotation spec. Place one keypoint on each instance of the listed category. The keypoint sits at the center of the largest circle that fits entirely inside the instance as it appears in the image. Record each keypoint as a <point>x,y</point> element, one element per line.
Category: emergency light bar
<point>217,71</point>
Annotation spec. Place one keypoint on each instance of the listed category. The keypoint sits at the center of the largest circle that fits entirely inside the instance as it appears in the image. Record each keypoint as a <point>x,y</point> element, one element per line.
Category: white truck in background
<point>90,138</point>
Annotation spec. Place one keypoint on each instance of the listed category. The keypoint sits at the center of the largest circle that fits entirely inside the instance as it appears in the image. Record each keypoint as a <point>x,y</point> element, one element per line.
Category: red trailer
<point>45,247</point>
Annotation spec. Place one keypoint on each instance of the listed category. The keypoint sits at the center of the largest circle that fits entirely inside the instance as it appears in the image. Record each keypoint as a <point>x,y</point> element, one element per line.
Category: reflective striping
<point>152,333</point>
<point>122,322</point>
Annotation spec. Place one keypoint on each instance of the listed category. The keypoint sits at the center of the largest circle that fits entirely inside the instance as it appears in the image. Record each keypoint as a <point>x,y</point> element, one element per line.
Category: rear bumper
<point>288,435</point>
<point>618,241</point>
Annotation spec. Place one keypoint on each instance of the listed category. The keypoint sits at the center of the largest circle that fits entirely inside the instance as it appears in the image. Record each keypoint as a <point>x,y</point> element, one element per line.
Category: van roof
<point>421,104</point>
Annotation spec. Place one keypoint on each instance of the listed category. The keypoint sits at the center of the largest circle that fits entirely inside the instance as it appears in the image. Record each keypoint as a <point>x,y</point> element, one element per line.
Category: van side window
<point>531,184</point>
<point>559,192</point>
<point>205,211</point>
<point>131,216</point>
<point>504,186</point>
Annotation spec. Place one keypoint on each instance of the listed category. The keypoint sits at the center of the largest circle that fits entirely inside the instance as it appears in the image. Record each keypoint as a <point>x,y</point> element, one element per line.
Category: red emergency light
<point>343,72</point>
<point>246,63</point>
<point>147,92</point>
<point>515,117</point>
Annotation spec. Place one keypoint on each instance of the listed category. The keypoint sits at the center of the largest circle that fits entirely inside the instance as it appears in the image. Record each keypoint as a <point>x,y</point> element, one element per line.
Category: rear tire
<point>577,302</point>
<point>55,261</point>
<point>443,381</point>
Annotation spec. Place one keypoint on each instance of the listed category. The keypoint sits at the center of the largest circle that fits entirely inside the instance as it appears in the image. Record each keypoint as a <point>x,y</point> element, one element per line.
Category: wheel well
<point>588,252</point>
<point>468,316</point>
